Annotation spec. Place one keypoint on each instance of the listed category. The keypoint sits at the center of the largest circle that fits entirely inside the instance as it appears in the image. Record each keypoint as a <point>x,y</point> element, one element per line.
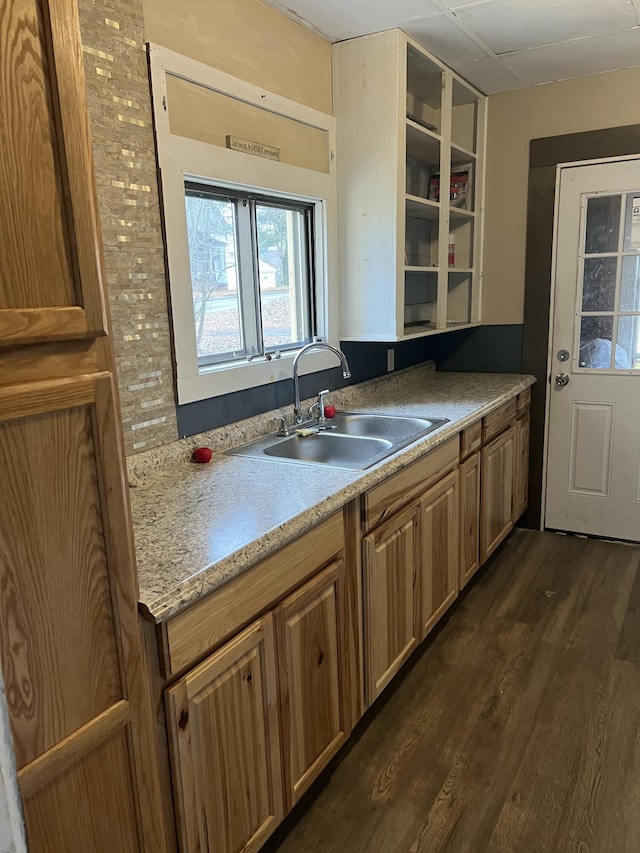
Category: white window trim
<point>183,159</point>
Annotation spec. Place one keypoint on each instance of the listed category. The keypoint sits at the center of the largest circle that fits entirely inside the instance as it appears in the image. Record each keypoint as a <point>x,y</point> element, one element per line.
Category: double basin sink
<point>354,440</point>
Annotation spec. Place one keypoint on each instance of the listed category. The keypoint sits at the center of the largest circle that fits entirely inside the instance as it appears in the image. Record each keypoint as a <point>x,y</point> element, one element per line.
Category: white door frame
<point>572,164</point>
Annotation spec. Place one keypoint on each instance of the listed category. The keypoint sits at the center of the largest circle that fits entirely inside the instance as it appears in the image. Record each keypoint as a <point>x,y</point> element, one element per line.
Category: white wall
<point>11,827</point>
<point>515,118</point>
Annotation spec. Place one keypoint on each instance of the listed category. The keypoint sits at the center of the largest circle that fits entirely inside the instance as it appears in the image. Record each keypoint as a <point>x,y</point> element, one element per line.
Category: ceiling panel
<point>472,36</point>
<point>508,25</point>
<point>443,38</point>
<point>578,58</point>
<point>489,75</point>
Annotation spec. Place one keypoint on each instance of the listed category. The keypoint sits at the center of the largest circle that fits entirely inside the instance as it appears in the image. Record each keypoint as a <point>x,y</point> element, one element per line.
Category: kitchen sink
<point>331,448</point>
<point>353,440</point>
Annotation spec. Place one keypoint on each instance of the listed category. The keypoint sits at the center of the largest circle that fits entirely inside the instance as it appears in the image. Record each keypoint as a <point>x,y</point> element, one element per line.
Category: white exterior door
<point>593,432</point>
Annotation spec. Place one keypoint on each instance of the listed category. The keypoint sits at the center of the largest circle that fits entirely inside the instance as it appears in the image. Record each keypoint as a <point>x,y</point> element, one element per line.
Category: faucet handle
<point>282,426</point>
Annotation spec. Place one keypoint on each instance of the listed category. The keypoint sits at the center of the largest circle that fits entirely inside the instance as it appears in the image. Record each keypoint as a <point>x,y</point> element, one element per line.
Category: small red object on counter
<point>329,411</point>
<point>202,454</point>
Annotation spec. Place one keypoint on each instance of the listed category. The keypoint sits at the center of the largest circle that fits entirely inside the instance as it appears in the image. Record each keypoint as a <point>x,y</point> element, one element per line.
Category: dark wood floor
<point>517,728</point>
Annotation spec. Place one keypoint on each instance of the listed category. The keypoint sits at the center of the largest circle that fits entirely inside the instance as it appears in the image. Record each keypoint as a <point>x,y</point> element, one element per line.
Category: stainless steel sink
<point>331,448</point>
<point>355,441</point>
<point>392,427</point>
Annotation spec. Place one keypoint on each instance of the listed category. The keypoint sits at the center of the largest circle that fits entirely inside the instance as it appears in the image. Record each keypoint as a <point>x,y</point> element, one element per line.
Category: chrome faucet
<point>346,373</point>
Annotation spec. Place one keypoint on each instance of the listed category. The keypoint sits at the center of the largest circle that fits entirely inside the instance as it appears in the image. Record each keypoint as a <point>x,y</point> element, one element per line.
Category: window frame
<point>184,160</point>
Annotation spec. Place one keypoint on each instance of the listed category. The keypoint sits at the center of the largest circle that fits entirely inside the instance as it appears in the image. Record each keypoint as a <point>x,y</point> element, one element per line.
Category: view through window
<point>251,274</point>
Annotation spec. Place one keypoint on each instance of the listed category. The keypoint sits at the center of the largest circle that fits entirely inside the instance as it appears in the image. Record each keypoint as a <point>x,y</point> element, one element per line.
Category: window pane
<point>628,344</point>
<point>630,286</point>
<point>632,223</point>
<point>284,276</point>
<point>603,224</point>
<point>596,334</point>
<point>211,229</point>
<point>599,284</point>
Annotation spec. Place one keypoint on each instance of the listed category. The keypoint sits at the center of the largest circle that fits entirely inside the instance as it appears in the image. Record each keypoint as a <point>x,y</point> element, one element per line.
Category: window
<point>250,259</point>
<point>250,232</point>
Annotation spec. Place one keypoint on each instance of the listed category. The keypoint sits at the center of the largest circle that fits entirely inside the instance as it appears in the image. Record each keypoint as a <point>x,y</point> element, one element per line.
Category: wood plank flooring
<point>516,728</point>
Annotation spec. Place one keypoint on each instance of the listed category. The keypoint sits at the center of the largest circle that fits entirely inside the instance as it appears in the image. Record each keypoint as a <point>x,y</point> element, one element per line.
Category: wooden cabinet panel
<point>311,647</point>
<point>82,809</point>
<point>225,612</point>
<point>384,500</point>
<point>439,561</point>
<point>470,439</point>
<point>51,272</point>
<point>225,745</point>
<point>389,569</point>
<point>469,518</point>
<point>59,648</point>
<point>521,470</point>
<point>494,423</point>
<point>496,506</point>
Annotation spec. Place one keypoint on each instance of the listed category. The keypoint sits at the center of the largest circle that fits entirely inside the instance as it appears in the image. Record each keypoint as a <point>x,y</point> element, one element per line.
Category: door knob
<point>562,379</point>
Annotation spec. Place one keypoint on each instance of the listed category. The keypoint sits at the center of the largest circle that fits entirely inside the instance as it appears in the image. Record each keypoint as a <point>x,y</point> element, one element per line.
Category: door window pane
<point>284,276</point>
<point>596,335</point>
<point>628,344</point>
<point>632,223</point>
<point>599,284</point>
<point>211,230</point>
<point>630,284</point>
<point>603,224</point>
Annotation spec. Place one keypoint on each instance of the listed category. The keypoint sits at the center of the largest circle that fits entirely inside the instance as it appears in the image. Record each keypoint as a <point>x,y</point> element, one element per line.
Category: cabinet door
<point>469,518</point>
<point>311,644</point>
<point>496,505</point>
<point>225,746</point>
<point>521,471</point>
<point>439,561</point>
<point>389,569</point>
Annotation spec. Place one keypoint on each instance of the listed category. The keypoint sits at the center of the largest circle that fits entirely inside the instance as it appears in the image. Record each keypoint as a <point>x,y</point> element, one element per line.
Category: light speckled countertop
<point>198,526</point>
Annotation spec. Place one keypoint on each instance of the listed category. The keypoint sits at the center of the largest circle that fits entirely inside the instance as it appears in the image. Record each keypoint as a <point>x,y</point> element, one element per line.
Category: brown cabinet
<point>410,574</point>
<point>469,518</point>
<point>311,643</point>
<point>521,469</point>
<point>69,634</point>
<point>439,562</point>
<point>497,473</point>
<point>252,726</point>
<point>225,743</point>
<point>390,601</point>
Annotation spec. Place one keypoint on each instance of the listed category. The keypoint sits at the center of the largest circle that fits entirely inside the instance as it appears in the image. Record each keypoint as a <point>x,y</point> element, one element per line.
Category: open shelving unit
<point>410,256</point>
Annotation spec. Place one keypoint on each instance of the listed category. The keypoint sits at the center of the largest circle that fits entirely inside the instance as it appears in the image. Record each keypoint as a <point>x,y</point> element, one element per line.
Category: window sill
<point>225,379</point>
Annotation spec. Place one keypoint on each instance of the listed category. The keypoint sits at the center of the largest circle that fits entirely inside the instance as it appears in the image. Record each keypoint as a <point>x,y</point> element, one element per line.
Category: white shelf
<point>422,208</point>
<point>394,242</point>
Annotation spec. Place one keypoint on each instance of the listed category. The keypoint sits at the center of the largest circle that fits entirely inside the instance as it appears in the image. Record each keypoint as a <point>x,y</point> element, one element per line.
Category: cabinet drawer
<point>470,439</point>
<point>223,613</point>
<point>523,401</point>
<point>384,500</point>
<point>499,420</point>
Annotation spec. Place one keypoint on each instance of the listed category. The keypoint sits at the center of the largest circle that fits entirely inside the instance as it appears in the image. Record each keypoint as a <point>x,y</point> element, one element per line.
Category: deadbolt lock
<point>563,355</point>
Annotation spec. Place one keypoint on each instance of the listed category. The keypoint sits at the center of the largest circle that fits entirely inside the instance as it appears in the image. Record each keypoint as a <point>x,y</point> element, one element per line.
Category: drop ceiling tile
<point>577,58</point>
<point>441,36</point>
<point>489,75</point>
<point>338,19</point>
<point>508,25</point>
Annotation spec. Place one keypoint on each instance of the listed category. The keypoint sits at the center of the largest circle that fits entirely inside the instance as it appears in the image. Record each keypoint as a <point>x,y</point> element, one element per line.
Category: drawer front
<point>499,420</point>
<point>384,500</point>
<point>222,614</point>
<point>470,439</point>
<point>524,401</point>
